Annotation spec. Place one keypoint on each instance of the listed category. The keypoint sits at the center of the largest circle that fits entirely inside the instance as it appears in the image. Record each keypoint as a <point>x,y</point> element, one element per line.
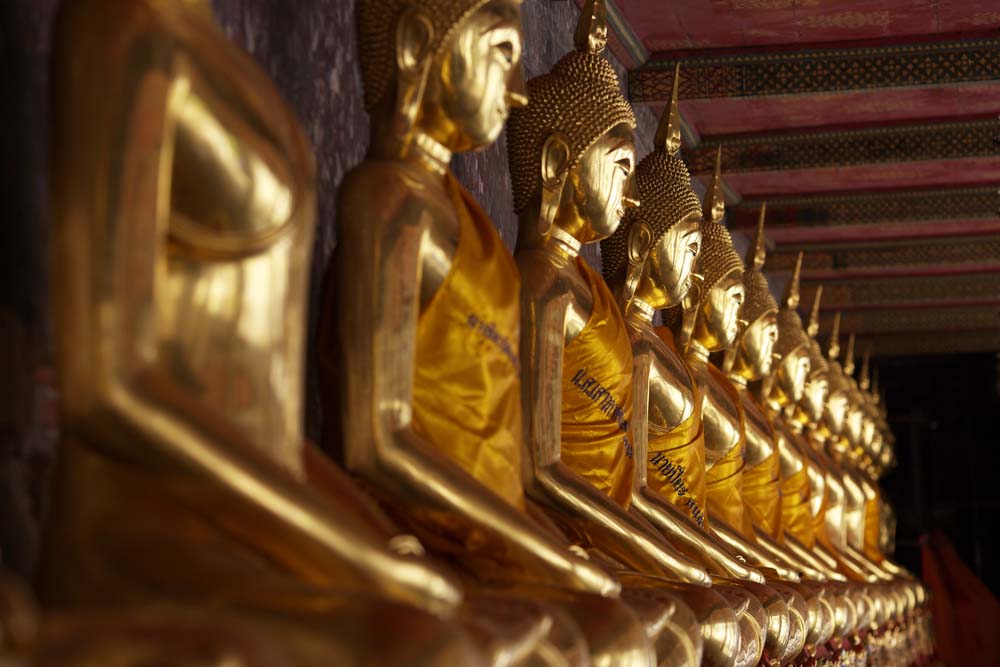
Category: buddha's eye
<point>626,165</point>
<point>506,49</point>
<point>693,249</point>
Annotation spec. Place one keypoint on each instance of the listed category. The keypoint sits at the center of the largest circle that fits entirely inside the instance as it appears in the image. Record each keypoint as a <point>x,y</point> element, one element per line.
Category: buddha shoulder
<point>546,276</point>
<point>388,195</point>
<point>721,412</point>
<point>671,387</point>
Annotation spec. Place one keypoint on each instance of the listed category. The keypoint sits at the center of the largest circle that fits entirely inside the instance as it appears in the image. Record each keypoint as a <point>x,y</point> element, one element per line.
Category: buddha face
<point>476,79</point>
<point>853,423</point>
<point>671,261</point>
<point>720,311</point>
<point>836,412</point>
<point>602,183</point>
<point>757,345</point>
<point>868,432</point>
<point>814,395</point>
<point>792,373</point>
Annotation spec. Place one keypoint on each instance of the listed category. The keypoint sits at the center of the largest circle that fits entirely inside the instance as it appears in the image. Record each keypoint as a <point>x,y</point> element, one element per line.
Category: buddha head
<point>753,355</point>
<point>793,346</point>
<point>835,410</point>
<point>572,150</point>
<point>652,254</point>
<point>817,387</point>
<point>444,70</point>
<point>711,309</point>
<point>709,314</point>
<point>854,422</point>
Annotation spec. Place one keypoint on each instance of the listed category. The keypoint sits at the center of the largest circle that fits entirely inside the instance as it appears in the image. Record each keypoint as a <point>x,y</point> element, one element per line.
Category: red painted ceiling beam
<point>843,45</point>
<point>921,271</point>
<point>911,305</point>
<point>795,238</point>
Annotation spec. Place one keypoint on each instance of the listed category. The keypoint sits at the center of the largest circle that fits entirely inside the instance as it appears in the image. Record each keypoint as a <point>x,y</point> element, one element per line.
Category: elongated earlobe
<point>639,243</point>
<point>689,308</point>
<point>414,37</point>
<point>555,169</point>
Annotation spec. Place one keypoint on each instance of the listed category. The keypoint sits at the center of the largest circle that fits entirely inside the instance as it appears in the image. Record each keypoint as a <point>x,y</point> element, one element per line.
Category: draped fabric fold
<point>873,528</point>
<point>724,479</point>
<point>796,518</point>
<point>676,458</point>
<point>966,614</point>
<point>597,396</point>
<point>466,385</point>
<point>762,489</point>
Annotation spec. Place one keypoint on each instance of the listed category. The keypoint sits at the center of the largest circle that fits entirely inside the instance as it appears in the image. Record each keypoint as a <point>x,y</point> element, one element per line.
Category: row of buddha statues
<point>518,468</point>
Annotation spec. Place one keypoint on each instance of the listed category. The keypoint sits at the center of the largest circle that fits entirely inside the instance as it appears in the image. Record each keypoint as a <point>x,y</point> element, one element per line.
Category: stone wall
<point>307,47</point>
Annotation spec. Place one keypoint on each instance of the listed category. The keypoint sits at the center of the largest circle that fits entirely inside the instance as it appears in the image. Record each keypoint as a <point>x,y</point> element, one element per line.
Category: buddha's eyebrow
<point>622,143</point>
<point>500,23</point>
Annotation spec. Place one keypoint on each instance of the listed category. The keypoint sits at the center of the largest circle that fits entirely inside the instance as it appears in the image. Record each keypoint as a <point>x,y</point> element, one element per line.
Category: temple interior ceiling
<point>869,127</point>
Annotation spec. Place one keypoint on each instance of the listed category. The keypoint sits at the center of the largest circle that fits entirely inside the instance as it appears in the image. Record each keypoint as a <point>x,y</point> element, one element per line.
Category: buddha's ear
<point>638,243</point>
<point>554,170</point>
<point>414,36</point>
<point>414,53</point>
<point>693,296</point>
<point>689,309</point>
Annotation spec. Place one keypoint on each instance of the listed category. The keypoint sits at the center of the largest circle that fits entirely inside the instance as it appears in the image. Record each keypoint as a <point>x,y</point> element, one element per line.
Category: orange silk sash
<point>796,518</point>
<point>724,480</point>
<point>676,458</point>
<point>466,385</point>
<point>597,396</point>
<point>762,485</point>
<point>873,529</point>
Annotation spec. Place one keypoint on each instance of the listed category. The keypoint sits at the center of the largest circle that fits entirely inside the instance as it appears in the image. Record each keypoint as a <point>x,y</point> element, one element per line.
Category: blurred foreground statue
<point>183,208</point>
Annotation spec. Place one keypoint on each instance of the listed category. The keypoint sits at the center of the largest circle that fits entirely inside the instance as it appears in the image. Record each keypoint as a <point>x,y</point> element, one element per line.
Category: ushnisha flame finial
<point>668,133</point>
<point>715,201</point>
<point>863,380</point>
<point>757,254</point>
<point>813,328</point>
<point>592,29</point>
<point>790,299</point>
<point>834,350</point>
<point>849,356</point>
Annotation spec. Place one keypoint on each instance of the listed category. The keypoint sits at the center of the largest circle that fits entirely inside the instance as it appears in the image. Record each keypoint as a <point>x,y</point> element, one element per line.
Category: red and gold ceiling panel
<point>871,130</point>
<point>777,24</point>
<point>940,257</point>
<point>909,343</point>
<point>915,292</point>
<point>895,207</point>
<point>929,319</point>
<point>797,112</point>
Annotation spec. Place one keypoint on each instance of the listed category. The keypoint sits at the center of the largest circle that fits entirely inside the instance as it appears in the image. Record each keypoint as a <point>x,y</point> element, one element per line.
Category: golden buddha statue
<point>571,168</point>
<point>802,376</point>
<point>848,453</point>
<point>183,211</point>
<point>424,403</point>
<point>648,262</point>
<point>828,479</point>
<point>709,322</point>
<point>807,421</point>
<point>770,451</point>
<point>572,157</point>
